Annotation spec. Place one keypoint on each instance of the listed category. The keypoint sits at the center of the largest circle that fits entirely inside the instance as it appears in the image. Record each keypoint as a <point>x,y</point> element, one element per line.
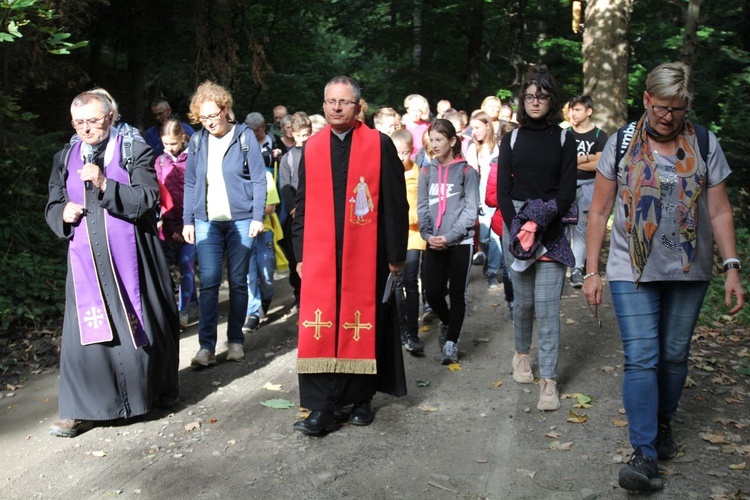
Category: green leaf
<point>423,383</point>
<point>279,404</point>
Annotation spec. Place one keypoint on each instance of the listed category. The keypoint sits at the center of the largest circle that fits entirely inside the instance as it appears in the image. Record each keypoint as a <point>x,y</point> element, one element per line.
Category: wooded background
<point>282,52</point>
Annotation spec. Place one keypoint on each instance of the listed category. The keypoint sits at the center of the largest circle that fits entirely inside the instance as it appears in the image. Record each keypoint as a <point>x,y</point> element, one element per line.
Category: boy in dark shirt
<point>590,142</point>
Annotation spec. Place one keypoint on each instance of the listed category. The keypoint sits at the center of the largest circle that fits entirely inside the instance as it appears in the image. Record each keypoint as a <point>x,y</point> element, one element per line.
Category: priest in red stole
<point>350,232</point>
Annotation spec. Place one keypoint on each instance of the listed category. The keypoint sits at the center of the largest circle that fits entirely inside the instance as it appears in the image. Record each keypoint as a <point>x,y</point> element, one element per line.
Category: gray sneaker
<point>203,358</point>
<point>492,282</point>
<point>576,278</point>
<point>235,352</point>
<point>443,336</point>
<point>450,353</point>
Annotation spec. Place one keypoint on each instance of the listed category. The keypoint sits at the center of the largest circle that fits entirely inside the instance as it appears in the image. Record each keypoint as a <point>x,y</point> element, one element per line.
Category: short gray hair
<point>346,81</point>
<point>671,80</point>
<point>254,120</point>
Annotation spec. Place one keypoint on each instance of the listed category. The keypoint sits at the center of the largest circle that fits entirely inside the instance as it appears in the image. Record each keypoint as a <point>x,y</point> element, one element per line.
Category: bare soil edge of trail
<point>471,433</point>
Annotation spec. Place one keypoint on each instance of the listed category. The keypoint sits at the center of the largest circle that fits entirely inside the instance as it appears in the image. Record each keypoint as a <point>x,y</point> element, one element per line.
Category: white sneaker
<point>522,369</point>
<point>236,352</point>
<point>548,397</point>
<point>203,358</point>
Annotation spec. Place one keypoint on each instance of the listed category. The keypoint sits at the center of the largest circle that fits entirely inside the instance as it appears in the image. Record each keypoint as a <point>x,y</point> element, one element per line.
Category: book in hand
<point>390,285</point>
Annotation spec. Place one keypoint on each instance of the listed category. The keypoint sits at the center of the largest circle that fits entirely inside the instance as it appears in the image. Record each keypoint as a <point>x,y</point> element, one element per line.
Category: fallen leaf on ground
<point>192,426</point>
<point>212,420</point>
<point>428,408</point>
<point>454,367</point>
<point>216,383</point>
<point>497,383</point>
<point>619,422</point>
<point>734,400</point>
<point>608,369</point>
<point>689,382</point>
<point>740,466</point>
<point>232,442</point>
<point>99,453</point>
<point>557,445</point>
<point>570,321</point>
<point>272,387</point>
<point>576,418</point>
<point>279,404</point>
<point>621,411</point>
<point>525,472</point>
<point>553,435</point>
<point>423,383</point>
<point>717,438</point>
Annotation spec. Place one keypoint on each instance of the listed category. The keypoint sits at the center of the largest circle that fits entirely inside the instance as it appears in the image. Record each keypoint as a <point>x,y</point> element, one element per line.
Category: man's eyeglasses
<point>91,122</point>
<point>209,118</point>
<point>542,98</point>
<point>662,111</point>
<point>341,103</point>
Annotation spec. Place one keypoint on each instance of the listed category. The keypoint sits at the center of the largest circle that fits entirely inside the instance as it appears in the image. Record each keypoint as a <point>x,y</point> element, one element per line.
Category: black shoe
<point>414,344</point>
<point>641,474</point>
<point>252,323</point>
<point>492,281</point>
<point>664,444</point>
<point>576,278</point>
<point>317,423</point>
<point>362,414</point>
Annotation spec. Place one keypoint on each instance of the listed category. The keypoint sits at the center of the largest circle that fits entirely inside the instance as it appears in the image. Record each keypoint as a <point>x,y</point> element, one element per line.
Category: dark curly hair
<point>541,77</point>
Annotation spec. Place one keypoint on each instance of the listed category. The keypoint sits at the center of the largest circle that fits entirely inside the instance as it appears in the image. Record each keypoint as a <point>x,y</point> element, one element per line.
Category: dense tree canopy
<point>283,51</point>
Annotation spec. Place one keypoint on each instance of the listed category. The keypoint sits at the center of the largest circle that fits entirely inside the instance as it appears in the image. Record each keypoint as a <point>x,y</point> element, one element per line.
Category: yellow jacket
<point>415,239</point>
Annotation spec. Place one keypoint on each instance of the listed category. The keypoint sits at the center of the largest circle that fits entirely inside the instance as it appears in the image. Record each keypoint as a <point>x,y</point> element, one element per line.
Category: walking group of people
<point>396,217</point>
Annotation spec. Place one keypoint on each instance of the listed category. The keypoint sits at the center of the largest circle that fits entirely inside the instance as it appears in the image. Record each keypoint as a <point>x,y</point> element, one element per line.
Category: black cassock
<point>333,391</point>
<point>113,380</point>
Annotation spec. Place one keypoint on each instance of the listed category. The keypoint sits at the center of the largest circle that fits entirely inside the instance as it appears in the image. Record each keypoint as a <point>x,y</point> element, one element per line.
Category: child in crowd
<point>482,151</point>
<point>408,303</point>
<point>263,261</point>
<point>288,179</point>
<point>590,142</point>
<point>447,207</point>
<point>416,119</point>
<point>170,171</point>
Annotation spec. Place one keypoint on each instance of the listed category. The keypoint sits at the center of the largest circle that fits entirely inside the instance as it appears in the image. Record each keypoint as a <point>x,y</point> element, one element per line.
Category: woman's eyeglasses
<point>662,111</point>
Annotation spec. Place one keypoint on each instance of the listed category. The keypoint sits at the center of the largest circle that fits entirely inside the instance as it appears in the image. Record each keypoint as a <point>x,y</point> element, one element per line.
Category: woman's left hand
<point>256,227</point>
<point>437,242</point>
<point>732,286</point>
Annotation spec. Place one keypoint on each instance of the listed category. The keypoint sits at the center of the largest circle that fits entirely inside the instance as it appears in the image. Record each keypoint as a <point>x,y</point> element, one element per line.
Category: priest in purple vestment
<point>119,354</point>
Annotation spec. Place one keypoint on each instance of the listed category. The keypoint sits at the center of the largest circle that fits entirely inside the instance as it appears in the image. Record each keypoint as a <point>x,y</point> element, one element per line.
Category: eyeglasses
<point>662,111</point>
<point>209,118</point>
<point>542,98</point>
<point>341,103</point>
<point>91,122</point>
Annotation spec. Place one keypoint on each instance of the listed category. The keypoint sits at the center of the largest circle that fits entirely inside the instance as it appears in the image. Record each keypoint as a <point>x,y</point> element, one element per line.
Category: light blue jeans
<point>260,273</point>
<point>584,192</point>
<point>490,242</point>
<point>212,239</point>
<point>656,324</point>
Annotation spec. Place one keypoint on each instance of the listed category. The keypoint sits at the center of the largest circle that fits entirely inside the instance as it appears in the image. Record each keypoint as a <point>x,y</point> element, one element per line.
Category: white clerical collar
<point>342,134</point>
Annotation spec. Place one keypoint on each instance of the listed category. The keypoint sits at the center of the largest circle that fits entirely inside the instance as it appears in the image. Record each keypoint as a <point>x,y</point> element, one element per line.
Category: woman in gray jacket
<point>447,207</point>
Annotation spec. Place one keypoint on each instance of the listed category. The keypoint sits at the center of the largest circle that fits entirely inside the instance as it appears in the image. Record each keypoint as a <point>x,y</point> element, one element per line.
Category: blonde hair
<point>489,143</point>
<point>671,80</point>
<point>421,103</point>
<point>209,91</point>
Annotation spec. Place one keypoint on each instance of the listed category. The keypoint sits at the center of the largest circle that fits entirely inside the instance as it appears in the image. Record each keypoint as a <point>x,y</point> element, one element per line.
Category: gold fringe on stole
<point>333,365</point>
<point>316,365</point>
<point>357,366</point>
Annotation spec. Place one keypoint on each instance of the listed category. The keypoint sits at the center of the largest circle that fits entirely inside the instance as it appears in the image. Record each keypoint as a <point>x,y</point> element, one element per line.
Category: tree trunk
<point>476,28</point>
<point>416,54</point>
<point>517,34</point>
<point>690,38</point>
<point>136,60</point>
<point>605,60</point>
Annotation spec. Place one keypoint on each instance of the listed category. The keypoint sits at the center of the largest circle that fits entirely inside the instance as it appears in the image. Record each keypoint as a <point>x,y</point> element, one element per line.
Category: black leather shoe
<point>317,423</point>
<point>362,414</point>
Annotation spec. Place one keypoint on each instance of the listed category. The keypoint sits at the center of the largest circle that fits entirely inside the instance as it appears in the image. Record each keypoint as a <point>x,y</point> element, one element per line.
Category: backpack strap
<point>513,137</point>
<point>63,167</point>
<point>244,147</point>
<point>701,134</point>
<point>127,146</point>
<point>195,142</point>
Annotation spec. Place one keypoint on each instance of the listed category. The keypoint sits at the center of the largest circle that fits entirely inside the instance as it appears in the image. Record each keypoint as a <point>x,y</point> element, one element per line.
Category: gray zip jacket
<point>448,201</point>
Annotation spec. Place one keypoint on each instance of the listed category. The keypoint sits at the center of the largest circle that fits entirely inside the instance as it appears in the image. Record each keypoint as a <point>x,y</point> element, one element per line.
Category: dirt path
<point>471,433</point>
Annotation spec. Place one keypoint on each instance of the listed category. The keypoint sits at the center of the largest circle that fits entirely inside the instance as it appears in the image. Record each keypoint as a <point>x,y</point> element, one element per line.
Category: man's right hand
<point>299,269</point>
<point>188,232</point>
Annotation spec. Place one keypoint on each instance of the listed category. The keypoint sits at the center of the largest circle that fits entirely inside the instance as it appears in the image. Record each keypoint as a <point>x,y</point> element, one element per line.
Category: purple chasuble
<point>94,320</point>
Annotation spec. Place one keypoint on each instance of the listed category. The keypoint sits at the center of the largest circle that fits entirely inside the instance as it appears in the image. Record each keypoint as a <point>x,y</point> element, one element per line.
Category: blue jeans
<point>183,254</point>
<point>489,241</point>
<point>212,238</point>
<point>656,324</point>
<point>260,274</point>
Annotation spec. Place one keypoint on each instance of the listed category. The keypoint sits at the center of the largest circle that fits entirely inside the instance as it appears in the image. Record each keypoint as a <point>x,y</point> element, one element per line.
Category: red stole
<point>349,346</point>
